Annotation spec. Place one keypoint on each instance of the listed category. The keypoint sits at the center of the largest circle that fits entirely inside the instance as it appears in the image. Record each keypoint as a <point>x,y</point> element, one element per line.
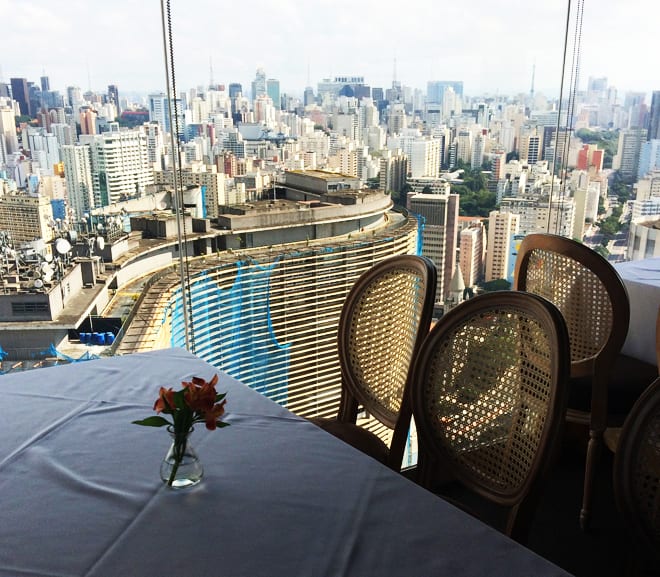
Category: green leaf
<point>220,396</point>
<point>221,424</point>
<point>153,422</point>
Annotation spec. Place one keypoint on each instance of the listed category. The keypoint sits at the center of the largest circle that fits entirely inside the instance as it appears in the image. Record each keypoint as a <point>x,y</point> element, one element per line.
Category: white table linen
<point>642,280</point>
<point>80,493</point>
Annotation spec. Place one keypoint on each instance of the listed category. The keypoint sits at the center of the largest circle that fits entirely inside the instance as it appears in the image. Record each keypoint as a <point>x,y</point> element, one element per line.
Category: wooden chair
<point>637,478</point>
<point>488,397</point>
<point>383,321</point>
<point>594,302</point>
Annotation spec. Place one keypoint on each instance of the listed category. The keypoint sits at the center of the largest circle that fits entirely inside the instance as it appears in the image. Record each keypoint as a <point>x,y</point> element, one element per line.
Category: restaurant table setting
<point>81,492</point>
<point>642,280</point>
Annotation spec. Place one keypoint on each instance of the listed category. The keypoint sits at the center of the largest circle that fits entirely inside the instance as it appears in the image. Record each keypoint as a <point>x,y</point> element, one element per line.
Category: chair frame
<point>647,407</point>
<point>599,365</point>
<point>432,453</point>
<point>353,393</point>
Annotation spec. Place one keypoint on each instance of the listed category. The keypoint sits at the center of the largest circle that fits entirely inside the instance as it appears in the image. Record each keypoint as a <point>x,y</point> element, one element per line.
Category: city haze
<point>493,47</point>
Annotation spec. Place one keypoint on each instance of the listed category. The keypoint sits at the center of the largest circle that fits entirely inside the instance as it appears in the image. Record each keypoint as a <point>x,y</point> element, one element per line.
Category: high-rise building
<point>501,228</point>
<point>471,254</point>
<point>439,235</point>
<point>21,94</point>
<point>539,215</point>
<point>424,157</point>
<point>654,117</point>
<point>113,97</point>
<point>649,157</point>
<point>626,159</point>
<point>26,217</point>
<point>258,84</point>
<point>435,90</point>
<point>393,171</point>
<point>8,129</point>
<point>77,161</point>
<point>120,165</point>
<point>88,121</point>
<point>273,90</point>
<point>207,176</point>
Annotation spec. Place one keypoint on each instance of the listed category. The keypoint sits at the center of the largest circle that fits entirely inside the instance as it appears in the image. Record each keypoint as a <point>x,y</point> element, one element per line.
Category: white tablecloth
<point>80,492</point>
<point>642,280</point>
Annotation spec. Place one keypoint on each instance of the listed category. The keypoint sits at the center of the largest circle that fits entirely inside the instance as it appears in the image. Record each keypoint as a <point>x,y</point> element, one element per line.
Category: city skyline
<point>483,44</point>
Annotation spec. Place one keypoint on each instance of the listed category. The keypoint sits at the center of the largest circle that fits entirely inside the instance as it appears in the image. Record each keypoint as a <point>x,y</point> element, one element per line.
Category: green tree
<point>500,284</point>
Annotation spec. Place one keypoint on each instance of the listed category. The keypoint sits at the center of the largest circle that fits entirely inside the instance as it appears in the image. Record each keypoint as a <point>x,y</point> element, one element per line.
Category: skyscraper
<point>439,235</point>
<point>259,84</point>
<point>113,96</point>
<point>21,94</point>
<point>435,90</point>
<point>626,160</point>
<point>273,90</point>
<point>78,174</point>
<point>654,117</point>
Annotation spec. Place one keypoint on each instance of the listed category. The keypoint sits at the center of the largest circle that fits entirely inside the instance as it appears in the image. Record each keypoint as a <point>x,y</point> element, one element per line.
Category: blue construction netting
<point>52,351</point>
<point>230,325</point>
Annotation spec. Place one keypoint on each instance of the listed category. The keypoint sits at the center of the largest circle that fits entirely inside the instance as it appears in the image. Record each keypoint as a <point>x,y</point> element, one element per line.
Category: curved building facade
<point>269,315</point>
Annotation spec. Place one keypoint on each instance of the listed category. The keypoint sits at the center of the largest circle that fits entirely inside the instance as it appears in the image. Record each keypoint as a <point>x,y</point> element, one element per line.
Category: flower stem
<point>180,442</point>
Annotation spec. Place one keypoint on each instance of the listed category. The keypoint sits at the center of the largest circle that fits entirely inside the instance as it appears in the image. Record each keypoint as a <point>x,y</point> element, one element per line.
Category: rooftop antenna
<point>211,83</point>
<point>531,92</point>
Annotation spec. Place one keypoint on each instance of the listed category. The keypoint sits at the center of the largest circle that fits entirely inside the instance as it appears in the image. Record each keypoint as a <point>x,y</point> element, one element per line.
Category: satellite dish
<point>62,245</point>
<point>38,283</point>
<point>48,257</point>
<point>45,267</point>
<point>162,205</point>
<point>100,242</point>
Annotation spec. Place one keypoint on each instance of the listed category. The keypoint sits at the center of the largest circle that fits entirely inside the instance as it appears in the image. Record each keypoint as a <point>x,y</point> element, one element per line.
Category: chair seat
<point>627,381</point>
<point>355,436</point>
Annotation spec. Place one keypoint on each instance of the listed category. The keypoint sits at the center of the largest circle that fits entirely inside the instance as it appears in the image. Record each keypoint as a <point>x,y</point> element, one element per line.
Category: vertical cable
<point>174,144</point>
<point>561,97</point>
<point>573,88</point>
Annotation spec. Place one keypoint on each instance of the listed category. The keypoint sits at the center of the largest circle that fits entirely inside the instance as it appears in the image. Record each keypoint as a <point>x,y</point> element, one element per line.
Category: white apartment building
<point>199,174</point>
<point>501,228</point>
<point>77,161</point>
<point>424,158</point>
<point>120,165</point>
<point>538,215</point>
<point>8,128</point>
<point>464,146</point>
<point>471,254</point>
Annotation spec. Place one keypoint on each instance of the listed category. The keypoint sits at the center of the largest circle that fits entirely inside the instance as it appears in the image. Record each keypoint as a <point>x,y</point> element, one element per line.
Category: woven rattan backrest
<point>384,318</point>
<point>637,471</point>
<point>488,391</point>
<point>583,285</point>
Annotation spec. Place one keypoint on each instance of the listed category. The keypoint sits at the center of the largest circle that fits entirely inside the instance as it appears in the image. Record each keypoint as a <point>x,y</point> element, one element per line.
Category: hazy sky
<point>492,45</point>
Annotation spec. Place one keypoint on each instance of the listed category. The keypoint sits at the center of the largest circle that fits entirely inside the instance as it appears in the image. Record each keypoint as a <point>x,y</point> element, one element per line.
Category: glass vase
<point>181,467</point>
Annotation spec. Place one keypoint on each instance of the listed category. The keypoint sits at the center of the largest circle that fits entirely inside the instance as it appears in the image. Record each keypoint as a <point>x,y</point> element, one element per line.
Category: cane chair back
<point>489,396</point>
<point>637,475</point>
<point>594,302</point>
<point>385,316</point>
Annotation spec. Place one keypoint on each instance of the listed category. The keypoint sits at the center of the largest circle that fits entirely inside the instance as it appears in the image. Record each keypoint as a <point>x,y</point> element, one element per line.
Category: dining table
<point>81,494</point>
<point>642,281</point>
